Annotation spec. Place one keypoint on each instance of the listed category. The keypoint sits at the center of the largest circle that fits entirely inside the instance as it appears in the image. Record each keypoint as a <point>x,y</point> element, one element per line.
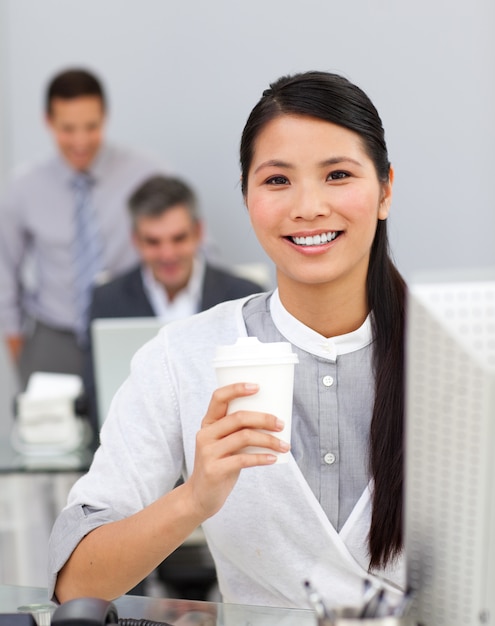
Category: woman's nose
<point>310,202</point>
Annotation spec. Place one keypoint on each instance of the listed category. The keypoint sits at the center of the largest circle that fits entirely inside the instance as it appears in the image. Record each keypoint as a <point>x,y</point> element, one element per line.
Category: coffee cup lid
<point>250,351</point>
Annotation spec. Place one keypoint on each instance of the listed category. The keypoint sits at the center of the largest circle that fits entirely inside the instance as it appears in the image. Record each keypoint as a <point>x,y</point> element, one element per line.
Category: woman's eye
<point>277,180</point>
<point>339,175</point>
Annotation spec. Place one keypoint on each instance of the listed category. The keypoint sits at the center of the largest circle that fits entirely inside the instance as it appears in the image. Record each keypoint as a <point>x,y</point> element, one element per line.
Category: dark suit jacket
<point>125,296</point>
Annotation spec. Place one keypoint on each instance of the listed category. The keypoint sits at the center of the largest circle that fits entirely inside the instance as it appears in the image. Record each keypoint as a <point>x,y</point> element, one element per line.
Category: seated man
<point>173,279</point>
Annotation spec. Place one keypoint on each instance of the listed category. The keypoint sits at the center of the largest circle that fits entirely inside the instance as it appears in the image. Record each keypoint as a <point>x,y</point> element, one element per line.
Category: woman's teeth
<point>316,240</point>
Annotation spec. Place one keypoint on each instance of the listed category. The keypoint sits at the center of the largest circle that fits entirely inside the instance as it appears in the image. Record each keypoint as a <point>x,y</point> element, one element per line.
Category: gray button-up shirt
<point>333,403</point>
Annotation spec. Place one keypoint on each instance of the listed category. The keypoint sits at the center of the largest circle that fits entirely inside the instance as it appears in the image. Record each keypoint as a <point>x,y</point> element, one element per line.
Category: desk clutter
<point>374,610</point>
<point>43,452</point>
<point>77,612</point>
<point>49,418</point>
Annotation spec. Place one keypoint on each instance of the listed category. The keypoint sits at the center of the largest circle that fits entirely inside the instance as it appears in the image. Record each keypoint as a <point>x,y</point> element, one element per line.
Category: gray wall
<point>182,76</point>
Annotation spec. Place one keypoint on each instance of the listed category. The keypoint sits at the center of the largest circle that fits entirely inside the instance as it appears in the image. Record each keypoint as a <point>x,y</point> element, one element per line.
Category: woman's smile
<point>312,241</point>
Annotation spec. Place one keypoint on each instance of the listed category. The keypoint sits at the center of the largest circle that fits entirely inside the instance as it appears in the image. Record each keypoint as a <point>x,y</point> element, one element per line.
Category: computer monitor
<point>450,450</point>
<point>115,341</point>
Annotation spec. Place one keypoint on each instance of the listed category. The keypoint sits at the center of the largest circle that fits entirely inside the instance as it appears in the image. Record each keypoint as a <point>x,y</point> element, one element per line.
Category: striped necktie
<point>87,252</point>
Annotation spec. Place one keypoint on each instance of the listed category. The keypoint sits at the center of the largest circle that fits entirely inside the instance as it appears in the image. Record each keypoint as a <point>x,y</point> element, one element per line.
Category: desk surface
<point>176,612</point>
<point>12,461</point>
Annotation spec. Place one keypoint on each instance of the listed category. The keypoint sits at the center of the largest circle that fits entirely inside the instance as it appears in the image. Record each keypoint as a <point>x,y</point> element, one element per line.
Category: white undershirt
<point>185,303</point>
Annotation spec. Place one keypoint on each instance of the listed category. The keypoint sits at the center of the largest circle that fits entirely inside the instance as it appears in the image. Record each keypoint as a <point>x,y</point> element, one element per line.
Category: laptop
<point>115,341</point>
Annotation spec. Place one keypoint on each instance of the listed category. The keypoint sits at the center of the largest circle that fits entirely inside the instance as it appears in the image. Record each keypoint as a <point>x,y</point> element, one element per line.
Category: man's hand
<point>14,346</point>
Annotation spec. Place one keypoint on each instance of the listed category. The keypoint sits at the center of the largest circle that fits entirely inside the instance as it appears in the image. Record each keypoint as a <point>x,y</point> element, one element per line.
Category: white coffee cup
<point>271,366</point>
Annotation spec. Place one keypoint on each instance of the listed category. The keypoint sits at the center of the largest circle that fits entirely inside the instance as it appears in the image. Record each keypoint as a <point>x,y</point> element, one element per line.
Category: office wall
<point>182,76</point>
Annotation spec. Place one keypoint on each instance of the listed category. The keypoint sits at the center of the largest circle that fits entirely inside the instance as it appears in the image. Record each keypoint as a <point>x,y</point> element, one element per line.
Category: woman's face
<point>314,200</point>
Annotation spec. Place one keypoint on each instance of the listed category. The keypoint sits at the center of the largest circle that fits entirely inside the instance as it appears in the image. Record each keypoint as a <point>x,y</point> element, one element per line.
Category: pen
<point>325,617</point>
<point>382,608</point>
<point>402,608</point>
<point>371,605</point>
<point>368,590</point>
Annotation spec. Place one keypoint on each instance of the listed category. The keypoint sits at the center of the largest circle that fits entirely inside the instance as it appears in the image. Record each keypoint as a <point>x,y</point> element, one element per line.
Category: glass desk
<point>33,490</point>
<point>13,462</point>
<point>175,612</point>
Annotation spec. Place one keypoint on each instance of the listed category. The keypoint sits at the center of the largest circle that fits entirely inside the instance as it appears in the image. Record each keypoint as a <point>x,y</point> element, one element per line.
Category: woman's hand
<point>220,443</point>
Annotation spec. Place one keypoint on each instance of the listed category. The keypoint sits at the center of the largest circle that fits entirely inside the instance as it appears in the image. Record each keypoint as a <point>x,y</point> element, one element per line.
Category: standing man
<point>172,280</point>
<point>68,217</point>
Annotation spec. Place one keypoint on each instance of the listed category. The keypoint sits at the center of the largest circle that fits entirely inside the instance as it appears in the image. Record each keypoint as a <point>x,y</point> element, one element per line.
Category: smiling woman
<point>314,199</point>
<point>318,142</point>
<point>317,183</point>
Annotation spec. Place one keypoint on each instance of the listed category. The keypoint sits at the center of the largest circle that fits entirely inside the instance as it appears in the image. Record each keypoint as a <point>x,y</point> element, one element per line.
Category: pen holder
<point>347,617</point>
<point>375,621</point>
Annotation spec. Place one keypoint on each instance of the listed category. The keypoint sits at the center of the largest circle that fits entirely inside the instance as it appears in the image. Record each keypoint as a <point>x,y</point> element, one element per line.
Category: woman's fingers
<point>240,430</point>
<point>234,422</point>
<point>222,396</point>
<point>224,434</point>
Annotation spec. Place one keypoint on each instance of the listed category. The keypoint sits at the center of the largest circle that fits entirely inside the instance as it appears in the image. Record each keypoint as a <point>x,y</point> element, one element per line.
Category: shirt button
<point>329,458</point>
<point>327,381</point>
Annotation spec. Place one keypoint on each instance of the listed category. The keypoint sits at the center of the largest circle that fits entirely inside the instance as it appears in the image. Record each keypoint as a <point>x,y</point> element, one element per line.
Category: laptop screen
<point>115,341</point>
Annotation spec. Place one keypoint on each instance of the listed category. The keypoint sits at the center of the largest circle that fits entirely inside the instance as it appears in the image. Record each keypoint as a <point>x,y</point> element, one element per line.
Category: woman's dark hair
<point>334,99</point>
<point>73,83</point>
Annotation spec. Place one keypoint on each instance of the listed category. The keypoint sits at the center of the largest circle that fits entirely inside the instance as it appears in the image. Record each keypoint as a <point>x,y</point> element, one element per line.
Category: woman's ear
<point>386,197</point>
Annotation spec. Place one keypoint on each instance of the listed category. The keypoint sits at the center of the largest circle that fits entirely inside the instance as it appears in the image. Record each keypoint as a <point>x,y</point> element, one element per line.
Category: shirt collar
<point>310,341</point>
<point>98,167</point>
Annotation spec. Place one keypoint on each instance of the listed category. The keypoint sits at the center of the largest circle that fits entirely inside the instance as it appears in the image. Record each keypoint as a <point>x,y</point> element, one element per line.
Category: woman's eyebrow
<point>339,159</point>
<point>336,160</point>
<point>273,163</point>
